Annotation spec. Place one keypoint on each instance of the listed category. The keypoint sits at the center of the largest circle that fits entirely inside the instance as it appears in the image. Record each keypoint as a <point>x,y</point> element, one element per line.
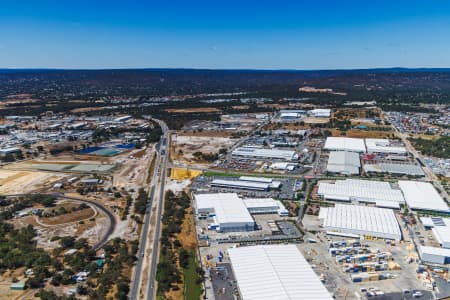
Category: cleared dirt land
<point>193,110</point>
<point>185,145</point>
<point>355,133</point>
<point>20,182</point>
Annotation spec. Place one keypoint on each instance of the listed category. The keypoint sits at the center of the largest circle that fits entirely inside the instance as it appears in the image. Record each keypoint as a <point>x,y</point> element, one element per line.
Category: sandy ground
<point>87,109</point>
<point>238,107</point>
<point>19,182</point>
<point>190,144</point>
<point>177,186</point>
<point>313,120</point>
<point>133,174</point>
<point>193,110</point>
<point>355,133</point>
<point>77,216</point>
<point>5,282</point>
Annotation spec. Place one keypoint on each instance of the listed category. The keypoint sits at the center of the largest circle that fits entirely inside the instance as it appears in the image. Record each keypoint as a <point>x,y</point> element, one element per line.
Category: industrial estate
<point>250,197</point>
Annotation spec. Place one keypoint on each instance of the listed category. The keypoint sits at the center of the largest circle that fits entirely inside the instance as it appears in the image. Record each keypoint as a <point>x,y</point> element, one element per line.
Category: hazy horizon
<point>294,35</point>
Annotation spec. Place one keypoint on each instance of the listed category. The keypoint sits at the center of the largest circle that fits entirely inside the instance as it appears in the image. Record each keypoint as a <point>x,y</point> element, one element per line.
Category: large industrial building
<point>284,166</point>
<point>354,220</point>
<point>265,206</point>
<point>380,146</point>
<point>422,196</point>
<point>231,213</point>
<point>394,169</point>
<point>377,192</point>
<point>275,272</point>
<point>440,228</point>
<point>434,255</point>
<point>241,185</point>
<point>291,115</point>
<point>384,146</point>
<point>344,162</point>
<point>345,144</point>
<point>228,211</point>
<point>248,183</point>
<point>253,152</point>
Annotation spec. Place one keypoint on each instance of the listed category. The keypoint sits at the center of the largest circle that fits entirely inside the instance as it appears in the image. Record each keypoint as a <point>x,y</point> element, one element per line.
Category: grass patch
<point>192,279</point>
<point>151,169</point>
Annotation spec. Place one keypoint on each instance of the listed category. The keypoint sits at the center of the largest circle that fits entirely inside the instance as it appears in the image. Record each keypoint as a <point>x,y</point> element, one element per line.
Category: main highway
<point>139,288</point>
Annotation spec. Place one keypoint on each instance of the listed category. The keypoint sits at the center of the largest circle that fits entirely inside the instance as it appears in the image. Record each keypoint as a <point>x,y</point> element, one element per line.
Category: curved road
<point>112,220</point>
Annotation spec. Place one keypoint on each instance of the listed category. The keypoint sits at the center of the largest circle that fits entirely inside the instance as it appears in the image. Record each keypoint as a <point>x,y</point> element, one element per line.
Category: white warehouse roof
<point>240,184</point>
<point>265,153</point>
<point>422,195</point>
<point>273,184</point>
<point>256,179</point>
<point>434,255</point>
<point>290,115</point>
<point>343,162</point>
<point>320,112</point>
<point>434,251</point>
<point>263,205</point>
<point>361,220</point>
<point>278,272</point>
<point>345,144</point>
<point>283,166</point>
<point>383,146</point>
<point>228,207</point>
<point>440,228</point>
<point>360,190</point>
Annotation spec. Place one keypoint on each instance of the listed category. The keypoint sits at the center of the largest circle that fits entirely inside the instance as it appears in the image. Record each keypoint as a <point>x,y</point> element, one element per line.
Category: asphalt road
<point>151,292</point>
<point>161,164</point>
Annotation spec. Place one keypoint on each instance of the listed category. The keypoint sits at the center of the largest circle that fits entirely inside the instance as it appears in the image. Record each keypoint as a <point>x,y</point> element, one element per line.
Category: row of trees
<point>9,207</point>
<point>168,273</point>
<point>140,205</point>
<point>209,157</point>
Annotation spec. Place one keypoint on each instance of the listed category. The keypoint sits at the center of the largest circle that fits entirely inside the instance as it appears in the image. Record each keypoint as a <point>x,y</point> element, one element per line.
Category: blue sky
<point>224,34</point>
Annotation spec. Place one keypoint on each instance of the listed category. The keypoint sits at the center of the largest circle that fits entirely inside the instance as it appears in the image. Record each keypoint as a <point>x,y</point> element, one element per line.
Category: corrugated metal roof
<point>343,162</point>
<point>256,179</point>
<point>265,153</point>
<point>262,202</point>
<point>278,272</point>
<point>360,190</point>
<point>422,195</point>
<point>407,169</point>
<point>228,207</point>
<point>241,184</point>
<point>362,220</point>
<point>383,146</point>
<point>345,144</point>
<point>434,251</point>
